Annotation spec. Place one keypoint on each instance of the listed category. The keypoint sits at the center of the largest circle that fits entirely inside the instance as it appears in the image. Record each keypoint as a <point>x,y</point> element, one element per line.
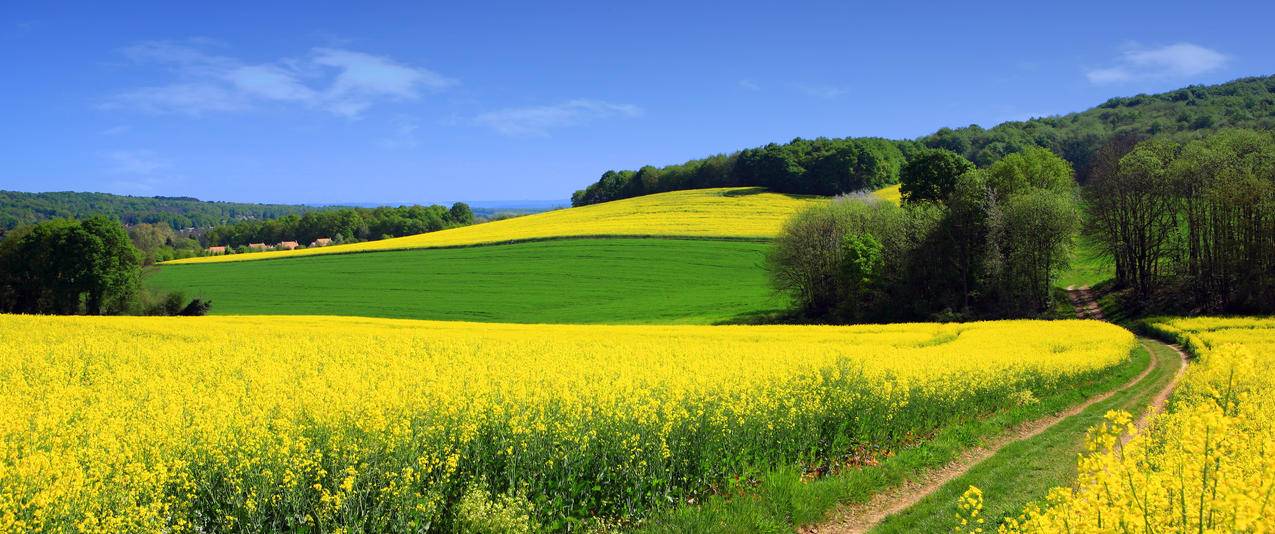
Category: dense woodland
<point>967,243</point>
<point>815,167</point>
<point>1191,226</point>
<point>90,266</point>
<point>17,208</point>
<point>833,166</point>
<point>165,228</point>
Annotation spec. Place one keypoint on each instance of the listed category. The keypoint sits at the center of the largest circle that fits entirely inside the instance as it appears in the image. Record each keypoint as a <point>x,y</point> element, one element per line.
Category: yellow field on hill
<point>724,212</point>
<point>322,423</point>
<point>889,194</point>
<point>1205,466</point>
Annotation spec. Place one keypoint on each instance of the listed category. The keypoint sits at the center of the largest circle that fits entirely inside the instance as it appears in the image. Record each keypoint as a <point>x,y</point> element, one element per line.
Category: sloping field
<point>613,280</point>
<point>710,213</point>
<point>264,423</point>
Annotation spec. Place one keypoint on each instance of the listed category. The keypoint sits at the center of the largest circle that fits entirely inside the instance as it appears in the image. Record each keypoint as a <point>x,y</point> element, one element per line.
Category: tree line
<point>966,243</point>
<point>68,266</point>
<point>835,166</point>
<point>820,166</point>
<point>343,225</point>
<point>1190,225</point>
<point>178,213</point>
<point>1179,114</point>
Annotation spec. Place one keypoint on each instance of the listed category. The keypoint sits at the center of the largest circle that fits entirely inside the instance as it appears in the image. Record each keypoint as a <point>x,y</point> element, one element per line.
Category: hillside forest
<point>832,166</point>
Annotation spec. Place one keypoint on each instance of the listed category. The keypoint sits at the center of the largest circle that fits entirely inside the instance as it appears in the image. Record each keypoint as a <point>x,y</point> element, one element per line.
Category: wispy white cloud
<point>1175,61</point>
<point>537,121</point>
<point>821,90</point>
<point>362,78</point>
<point>748,85</point>
<point>135,162</point>
<point>403,134</point>
<point>117,130</point>
<point>342,82</point>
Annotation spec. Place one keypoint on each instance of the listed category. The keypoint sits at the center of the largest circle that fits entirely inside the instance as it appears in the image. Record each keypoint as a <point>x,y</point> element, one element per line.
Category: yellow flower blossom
<point>177,424</point>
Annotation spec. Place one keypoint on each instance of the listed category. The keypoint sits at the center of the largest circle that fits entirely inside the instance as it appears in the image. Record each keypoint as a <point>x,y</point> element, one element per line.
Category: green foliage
<point>65,266</point>
<point>460,214</point>
<point>17,208</point>
<point>931,175</point>
<point>980,244</point>
<point>347,224</point>
<point>1191,225</point>
<point>556,281</point>
<point>833,166</point>
<point>1182,113</point>
<point>820,166</point>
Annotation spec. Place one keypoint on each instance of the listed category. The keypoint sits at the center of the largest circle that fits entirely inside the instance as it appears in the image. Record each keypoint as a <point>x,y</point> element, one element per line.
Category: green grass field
<point>1089,265</point>
<point>559,281</point>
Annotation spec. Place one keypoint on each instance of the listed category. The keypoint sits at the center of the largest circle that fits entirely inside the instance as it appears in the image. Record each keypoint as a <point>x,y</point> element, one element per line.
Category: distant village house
<point>287,245</point>
<point>257,246</point>
<point>321,242</point>
<point>216,250</point>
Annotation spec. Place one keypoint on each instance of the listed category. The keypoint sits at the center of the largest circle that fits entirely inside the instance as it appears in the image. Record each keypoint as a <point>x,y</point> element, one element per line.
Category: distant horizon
<point>484,204</point>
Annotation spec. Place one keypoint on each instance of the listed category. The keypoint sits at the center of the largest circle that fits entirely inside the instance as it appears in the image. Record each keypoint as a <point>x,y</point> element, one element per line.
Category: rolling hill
<point>693,257</point>
<point>721,213</point>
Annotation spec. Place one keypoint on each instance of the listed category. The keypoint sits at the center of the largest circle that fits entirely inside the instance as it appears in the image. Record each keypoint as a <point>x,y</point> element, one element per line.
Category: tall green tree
<point>65,266</point>
<point>931,176</point>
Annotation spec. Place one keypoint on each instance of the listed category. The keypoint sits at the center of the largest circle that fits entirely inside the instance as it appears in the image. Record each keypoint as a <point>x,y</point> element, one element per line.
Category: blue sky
<point>324,102</point>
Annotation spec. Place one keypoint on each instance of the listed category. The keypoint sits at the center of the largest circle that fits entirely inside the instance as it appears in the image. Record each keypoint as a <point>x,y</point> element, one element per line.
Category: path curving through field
<point>902,507</point>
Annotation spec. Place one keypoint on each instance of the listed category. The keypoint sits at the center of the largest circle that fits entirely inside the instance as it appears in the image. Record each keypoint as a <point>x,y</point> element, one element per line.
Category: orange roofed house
<point>257,246</point>
<point>216,250</point>
<point>321,242</point>
<point>287,245</point>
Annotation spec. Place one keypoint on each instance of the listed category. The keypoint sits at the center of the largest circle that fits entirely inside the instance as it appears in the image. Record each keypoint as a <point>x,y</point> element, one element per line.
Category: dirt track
<point>863,517</point>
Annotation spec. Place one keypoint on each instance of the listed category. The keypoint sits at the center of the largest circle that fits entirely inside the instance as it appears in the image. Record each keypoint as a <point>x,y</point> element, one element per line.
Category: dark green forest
<point>18,208</point>
<point>833,166</point>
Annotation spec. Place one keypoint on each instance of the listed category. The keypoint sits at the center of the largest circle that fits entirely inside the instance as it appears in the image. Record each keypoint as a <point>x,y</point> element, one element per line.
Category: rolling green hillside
<point>560,281</point>
<point>726,213</point>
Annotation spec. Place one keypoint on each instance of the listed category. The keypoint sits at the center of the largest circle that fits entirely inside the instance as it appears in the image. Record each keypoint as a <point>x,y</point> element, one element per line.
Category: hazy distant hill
<point>179,212</point>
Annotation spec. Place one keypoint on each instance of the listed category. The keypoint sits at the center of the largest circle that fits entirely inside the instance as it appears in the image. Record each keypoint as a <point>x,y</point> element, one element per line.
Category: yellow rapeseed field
<point>889,194</point>
<point>722,212</point>
<point>117,424</point>
<point>1208,465</point>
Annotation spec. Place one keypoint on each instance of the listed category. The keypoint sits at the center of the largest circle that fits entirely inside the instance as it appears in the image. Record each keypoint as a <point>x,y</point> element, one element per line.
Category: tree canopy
<point>975,243</point>
<point>931,175</point>
<point>66,266</point>
<point>832,166</point>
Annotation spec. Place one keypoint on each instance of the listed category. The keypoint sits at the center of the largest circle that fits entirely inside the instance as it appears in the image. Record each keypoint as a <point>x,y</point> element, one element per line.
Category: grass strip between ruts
<point>782,500</point>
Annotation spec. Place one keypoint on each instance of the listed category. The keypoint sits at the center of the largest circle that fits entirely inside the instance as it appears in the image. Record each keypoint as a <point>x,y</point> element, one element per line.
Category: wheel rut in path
<point>858,518</point>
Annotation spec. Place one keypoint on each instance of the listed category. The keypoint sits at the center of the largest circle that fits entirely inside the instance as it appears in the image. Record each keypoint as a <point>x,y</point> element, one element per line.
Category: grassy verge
<point>1089,265</point>
<point>623,280</point>
<point>783,500</point>
<point>1025,471</point>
